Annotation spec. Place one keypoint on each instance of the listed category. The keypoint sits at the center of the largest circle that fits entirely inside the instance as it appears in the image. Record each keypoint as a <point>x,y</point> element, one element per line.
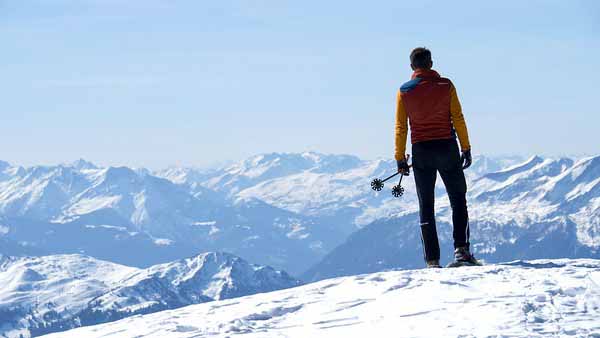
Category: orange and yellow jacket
<point>430,104</point>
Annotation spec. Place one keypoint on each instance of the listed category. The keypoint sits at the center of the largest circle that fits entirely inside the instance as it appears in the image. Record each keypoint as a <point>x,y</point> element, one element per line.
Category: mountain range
<point>541,208</point>
<point>58,292</point>
<point>134,217</point>
<point>293,211</point>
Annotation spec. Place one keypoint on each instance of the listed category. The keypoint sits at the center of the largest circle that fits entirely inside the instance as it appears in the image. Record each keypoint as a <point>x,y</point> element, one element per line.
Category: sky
<point>183,82</point>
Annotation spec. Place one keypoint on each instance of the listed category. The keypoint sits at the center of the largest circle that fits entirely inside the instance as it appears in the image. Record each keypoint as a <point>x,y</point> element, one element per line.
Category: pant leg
<point>456,186</point>
<point>425,177</point>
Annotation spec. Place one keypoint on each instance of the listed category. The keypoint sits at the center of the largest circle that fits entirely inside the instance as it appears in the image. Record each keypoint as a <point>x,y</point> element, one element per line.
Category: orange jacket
<point>430,103</point>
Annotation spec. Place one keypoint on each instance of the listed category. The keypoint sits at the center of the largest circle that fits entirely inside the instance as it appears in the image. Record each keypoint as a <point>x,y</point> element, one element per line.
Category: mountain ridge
<point>543,208</point>
<point>286,210</point>
<point>50,293</point>
<point>144,211</point>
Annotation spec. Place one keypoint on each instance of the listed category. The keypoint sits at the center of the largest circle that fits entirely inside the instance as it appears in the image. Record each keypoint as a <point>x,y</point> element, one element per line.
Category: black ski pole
<point>397,191</point>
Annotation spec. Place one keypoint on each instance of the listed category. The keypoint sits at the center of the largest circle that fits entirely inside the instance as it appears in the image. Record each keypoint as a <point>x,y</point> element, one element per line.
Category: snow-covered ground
<point>53,293</point>
<point>517,299</point>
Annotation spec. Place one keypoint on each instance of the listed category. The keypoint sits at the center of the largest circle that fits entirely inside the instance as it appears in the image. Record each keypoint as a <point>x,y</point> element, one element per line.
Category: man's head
<point>420,58</point>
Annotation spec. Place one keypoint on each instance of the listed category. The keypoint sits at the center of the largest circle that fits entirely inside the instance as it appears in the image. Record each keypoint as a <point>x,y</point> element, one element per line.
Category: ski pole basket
<point>398,190</point>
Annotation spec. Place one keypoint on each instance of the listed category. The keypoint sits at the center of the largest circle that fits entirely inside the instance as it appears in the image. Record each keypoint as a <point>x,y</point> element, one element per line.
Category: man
<point>430,103</point>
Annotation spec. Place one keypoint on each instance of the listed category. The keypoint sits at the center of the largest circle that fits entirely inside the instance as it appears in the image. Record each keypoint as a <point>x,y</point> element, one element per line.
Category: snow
<point>88,205</point>
<point>163,241</point>
<point>297,231</point>
<point>582,188</point>
<point>588,232</point>
<point>60,291</point>
<point>209,223</point>
<point>106,226</point>
<point>516,299</point>
<point>66,283</point>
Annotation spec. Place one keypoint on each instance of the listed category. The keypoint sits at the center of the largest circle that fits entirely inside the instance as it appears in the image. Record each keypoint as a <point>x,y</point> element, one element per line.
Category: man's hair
<point>420,57</point>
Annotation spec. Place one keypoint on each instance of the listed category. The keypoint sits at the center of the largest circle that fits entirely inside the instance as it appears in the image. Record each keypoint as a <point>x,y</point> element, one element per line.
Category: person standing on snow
<point>430,104</point>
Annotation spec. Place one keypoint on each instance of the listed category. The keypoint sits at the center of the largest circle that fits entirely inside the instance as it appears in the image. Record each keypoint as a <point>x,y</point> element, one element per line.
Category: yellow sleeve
<point>458,121</point>
<point>401,128</point>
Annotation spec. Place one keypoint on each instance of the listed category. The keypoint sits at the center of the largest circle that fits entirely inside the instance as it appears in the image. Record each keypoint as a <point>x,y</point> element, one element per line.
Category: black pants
<point>429,158</point>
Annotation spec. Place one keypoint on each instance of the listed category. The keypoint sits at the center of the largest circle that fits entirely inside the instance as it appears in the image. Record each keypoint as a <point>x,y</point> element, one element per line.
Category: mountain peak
<point>4,165</point>
<point>520,167</point>
<point>219,257</point>
<point>534,158</point>
<point>82,164</point>
<point>119,173</point>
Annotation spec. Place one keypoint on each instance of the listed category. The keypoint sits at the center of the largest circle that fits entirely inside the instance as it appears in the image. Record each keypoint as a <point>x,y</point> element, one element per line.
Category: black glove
<point>403,167</point>
<point>466,158</point>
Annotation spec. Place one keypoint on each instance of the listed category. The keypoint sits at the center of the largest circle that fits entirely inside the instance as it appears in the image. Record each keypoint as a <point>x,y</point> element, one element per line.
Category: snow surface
<point>516,299</point>
<point>54,293</point>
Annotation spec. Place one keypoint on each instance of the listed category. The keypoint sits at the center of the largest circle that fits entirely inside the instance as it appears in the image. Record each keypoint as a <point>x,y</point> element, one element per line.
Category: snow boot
<point>433,264</point>
<point>463,257</point>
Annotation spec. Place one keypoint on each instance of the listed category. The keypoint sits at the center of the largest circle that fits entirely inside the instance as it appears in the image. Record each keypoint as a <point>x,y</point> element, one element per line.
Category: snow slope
<point>54,293</point>
<point>518,299</point>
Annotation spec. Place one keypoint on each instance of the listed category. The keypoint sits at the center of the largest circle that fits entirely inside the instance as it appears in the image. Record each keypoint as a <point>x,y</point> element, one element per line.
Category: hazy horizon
<point>222,164</point>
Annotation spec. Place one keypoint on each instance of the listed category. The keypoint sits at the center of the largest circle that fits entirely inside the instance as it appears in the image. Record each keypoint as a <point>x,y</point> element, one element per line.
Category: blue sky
<point>155,83</point>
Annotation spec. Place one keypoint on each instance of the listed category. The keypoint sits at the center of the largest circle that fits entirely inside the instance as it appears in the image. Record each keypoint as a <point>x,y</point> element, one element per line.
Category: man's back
<point>427,99</point>
<point>430,104</point>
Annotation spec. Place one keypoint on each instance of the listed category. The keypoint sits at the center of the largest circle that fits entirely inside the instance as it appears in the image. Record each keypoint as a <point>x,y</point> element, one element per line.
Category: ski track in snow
<point>517,299</point>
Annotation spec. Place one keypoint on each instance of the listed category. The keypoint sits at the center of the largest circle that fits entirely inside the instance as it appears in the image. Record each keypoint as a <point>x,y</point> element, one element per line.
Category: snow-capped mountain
<point>554,193</point>
<point>541,208</point>
<point>64,193</point>
<point>80,207</point>
<point>54,293</point>
<point>517,299</point>
<point>336,187</point>
<point>265,167</point>
<point>289,210</point>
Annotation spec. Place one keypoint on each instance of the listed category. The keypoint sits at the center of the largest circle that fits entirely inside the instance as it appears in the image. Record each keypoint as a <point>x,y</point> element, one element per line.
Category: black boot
<point>433,264</point>
<point>463,257</point>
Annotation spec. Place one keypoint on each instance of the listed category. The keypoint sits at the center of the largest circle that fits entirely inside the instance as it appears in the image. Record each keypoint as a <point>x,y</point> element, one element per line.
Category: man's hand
<point>466,158</point>
<point>403,167</point>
